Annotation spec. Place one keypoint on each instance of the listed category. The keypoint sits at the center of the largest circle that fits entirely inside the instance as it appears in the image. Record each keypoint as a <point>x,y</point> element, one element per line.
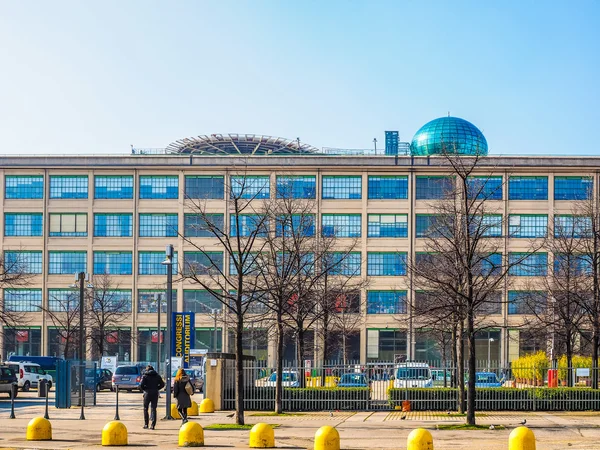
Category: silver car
<point>127,378</point>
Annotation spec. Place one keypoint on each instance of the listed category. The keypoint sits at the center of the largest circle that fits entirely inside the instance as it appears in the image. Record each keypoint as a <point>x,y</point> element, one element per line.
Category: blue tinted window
<point>250,187</point>
<point>68,186</point>
<point>205,186</point>
<point>573,188</point>
<point>250,264</point>
<point>159,186</point>
<point>112,263</point>
<point>199,225</point>
<point>527,225</point>
<point>572,226</point>
<point>23,300</point>
<point>526,302</point>
<point>24,186</point>
<point>203,263</point>
<point>430,225</point>
<point>528,265</point>
<point>341,225</point>
<point>22,224</point>
<point>566,265</point>
<point>296,186</point>
<point>149,299</point>
<point>200,302</point>
<point>489,264</point>
<point>433,187</point>
<point>117,186</point>
<point>158,225</point>
<point>337,187</point>
<point>388,187</point>
<point>63,300</point>
<point>339,263</point>
<point>150,263</point>
<point>68,225</point>
<point>67,263</point>
<point>113,225</point>
<point>114,300</point>
<point>487,226</point>
<point>386,264</point>
<point>23,262</point>
<point>248,225</point>
<point>387,225</point>
<point>386,302</point>
<point>528,188</point>
<point>296,225</point>
<point>485,188</point>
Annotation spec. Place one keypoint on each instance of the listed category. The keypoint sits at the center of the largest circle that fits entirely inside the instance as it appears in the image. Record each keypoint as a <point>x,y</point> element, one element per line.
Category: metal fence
<point>425,385</point>
<point>70,376</point>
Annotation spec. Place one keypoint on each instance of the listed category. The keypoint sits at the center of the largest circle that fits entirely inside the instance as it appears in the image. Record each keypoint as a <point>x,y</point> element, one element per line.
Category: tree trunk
<point>279,379</point>
<point>239,370</point>
<point>300,350</point>
<point>444,361</point>
<point>472,369</point>
<point>460,347</point>
<point>569,360</point>
<point>453,348</point>
<point>595,343</point>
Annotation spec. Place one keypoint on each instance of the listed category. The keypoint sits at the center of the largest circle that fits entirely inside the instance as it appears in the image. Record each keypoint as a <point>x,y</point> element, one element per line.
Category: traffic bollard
<point>82,400</point>
<point>117,405</point>
<point>521,438</point>
<point>12,402</point>
<point>46,415</point>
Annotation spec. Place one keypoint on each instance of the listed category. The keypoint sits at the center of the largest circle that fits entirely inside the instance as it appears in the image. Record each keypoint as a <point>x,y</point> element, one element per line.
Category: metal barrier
<point>70,376</point>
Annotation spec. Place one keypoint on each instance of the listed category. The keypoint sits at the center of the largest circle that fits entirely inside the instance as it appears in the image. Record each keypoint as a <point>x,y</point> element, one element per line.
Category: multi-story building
<point>112,214</point>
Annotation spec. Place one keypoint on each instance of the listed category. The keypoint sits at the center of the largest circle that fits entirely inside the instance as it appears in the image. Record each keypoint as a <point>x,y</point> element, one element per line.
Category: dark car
<point>8,381</point>
<point>98,379</point>
<point>127,378</point>
<point>355,380</point>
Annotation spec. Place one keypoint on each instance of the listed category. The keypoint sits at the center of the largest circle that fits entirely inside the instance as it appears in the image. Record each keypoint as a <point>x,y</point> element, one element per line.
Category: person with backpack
<point>182,391</point>
<point>151,383</point>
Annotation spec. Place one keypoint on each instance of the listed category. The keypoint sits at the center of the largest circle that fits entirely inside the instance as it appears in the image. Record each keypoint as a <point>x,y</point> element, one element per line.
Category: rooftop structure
<point>449,135</point>
<point>240,144</point>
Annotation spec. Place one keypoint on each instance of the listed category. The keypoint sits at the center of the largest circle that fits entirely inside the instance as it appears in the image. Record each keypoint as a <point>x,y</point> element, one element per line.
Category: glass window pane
<point>341,225</point>
<point>24,186</point>
<point>113,186</point>
<point>159,187</point>
<point>342,187</point>
<point>388,187</point>
<point>69,186</point>
<point>296,186</point>
<point>528,188</point>
<point>205,187</point>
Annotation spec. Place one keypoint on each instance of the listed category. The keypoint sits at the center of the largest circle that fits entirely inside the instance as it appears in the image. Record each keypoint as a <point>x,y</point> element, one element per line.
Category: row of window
<point>294,186</point>
<point>202,302</point>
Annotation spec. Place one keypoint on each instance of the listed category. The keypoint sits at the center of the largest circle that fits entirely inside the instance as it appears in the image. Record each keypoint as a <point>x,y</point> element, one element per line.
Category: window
<point>250,264</point>
<point>342,187</point>
<point>484,188</point>
<point>113,225</point>
<point>347,302</point>
<point>199,263</point>
<point>63,300</point>
<point>113,300</point>
<point>23,224</point>
<point>491,305</point>
<point>526,302</point>
<point>205,186</point>
<point>388,264</point>
<point>22,300</point>
<point>489,265</point>
<point>528,265</point>
<point>148,300</point>
<point>23,262</point>
<point>113,186</point>
<point>572,226</point>
<point>68,225</point>
<point>387,225</point>
<point>431,225</point>
<point>248,225</point>
<point>339,263</point>
<point>159,186</point>
<point>528,188</point>
<point>150,263</point>
<point>250,187</point>
<point>296,186</point>
<point>202,302</point>
<point>196,225</point>
<point>527,225</point>
<point>573,188</point>
<point>24,186</point>
<point>569,265</point>
<point>388,187</point>
<point>433,187</point>
<point>69,186</point>
<point>112,263</point>
<point>386,302</point>
<point>487,226</point>
<point>341,225</point>
<point>158,225</point>
<point>66,263</point>
<point>296,225</point>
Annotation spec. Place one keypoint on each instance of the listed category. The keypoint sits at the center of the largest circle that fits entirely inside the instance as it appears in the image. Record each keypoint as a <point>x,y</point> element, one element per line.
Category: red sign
<point>22,335</point>
<point>112,337</point>
<point>155,337</point>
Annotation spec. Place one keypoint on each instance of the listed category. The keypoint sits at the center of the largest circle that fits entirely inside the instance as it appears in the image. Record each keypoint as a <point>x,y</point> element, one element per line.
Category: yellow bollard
<point>193,410</point>
<point>419,439</point>
<point>191,434</point>
<point>262,436</point>
<point>521,438</point>
<point>207,406</point>
<point>327,438</point>
<point>174,412</point>
<point>114,434</point>
<point>39,429</point>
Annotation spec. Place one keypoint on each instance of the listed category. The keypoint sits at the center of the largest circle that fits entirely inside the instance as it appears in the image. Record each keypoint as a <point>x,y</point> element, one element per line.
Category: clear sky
<point>94,77</point>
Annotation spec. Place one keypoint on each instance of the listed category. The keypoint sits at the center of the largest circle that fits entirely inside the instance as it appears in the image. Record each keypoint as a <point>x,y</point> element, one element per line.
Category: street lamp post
<point>490,340</point>
<point>214,346</point>
<point>169,263</point>
<point>158,333</point>
<point>80,279</point>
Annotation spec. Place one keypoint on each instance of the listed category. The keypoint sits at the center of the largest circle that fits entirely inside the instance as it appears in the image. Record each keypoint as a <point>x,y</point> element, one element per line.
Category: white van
<point>29,374</point>
<point>413,375</point>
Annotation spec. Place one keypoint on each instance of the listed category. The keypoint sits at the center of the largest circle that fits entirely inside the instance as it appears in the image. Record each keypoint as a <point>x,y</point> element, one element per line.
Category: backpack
<point>189,388</point>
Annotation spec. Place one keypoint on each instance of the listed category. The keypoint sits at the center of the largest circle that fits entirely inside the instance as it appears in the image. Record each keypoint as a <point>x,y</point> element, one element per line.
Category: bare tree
<point>15,272</point>
<point>63,311</point>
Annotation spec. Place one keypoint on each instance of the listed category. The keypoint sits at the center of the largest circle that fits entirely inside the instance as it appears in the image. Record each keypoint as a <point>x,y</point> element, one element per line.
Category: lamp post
<point>490,340</point>
<point>158,333</point>
<point>214,346</point>
<point>169,263</point>
<point>80,279</point>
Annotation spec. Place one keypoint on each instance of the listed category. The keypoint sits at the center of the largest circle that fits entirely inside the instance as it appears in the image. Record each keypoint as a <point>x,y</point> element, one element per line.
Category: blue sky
<point>95,77</point>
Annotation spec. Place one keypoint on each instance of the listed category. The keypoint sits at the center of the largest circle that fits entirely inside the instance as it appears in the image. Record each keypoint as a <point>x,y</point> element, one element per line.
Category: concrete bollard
<point>191,434</point>
<point>327,438</point>
<point>193,410</point>
<point>174,412</point>
<point>419,439</point>
<point>39,429</point>
<point>262,436</point>
<point>114,434</point>
<point>207,406</point>
<point>521,438</point>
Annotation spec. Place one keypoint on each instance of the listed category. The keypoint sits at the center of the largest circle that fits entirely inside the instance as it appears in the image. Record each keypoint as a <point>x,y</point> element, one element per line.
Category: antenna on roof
<point>298,141</point>
<point>448,113</point>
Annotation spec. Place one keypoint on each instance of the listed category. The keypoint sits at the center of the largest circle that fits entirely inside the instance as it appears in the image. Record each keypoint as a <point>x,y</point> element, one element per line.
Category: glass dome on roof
<point>448,135</point>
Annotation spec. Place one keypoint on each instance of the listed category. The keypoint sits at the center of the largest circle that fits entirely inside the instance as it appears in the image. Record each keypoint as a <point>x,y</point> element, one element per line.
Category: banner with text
<point>183,336</point>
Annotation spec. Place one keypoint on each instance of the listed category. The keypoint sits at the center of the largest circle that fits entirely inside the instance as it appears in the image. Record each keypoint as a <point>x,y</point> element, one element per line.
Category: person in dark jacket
<point>151,384</point>
<point>184,401</point>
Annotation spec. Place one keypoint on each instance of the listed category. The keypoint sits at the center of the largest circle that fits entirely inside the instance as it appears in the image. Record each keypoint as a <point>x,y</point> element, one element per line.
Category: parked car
<point>196,377</point>
<point>487,380</point>
<point>98,379</point>
<point>441,375</point>
<point>289,379</point>
<point>47,363</point>
<point>127,378</point>
<point>354,380</point>
<point>29,374</point>
<point>8,381</point>
<point>413,375</point>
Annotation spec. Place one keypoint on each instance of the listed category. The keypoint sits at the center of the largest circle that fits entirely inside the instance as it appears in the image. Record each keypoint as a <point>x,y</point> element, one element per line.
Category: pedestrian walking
<point>151,383</point>
<point>182,391</point>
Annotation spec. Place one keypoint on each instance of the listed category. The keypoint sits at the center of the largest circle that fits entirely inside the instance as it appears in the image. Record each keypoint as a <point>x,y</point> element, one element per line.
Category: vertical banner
<point>183,336</point>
